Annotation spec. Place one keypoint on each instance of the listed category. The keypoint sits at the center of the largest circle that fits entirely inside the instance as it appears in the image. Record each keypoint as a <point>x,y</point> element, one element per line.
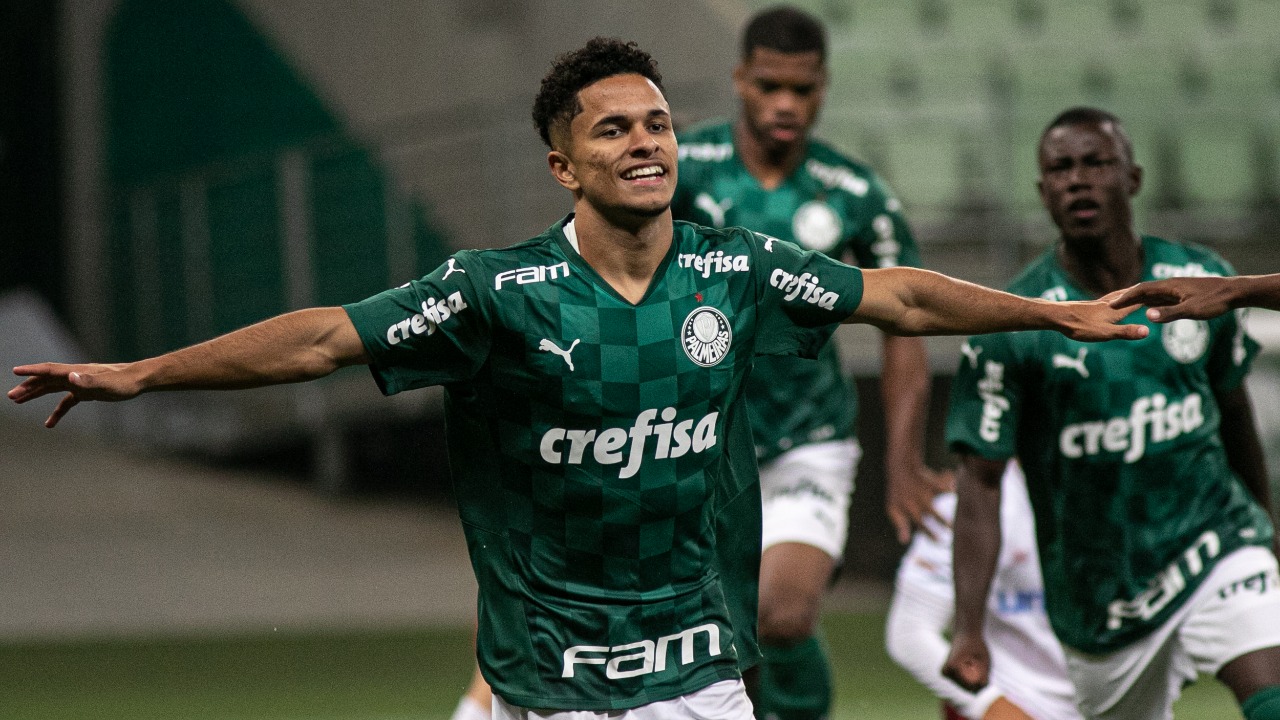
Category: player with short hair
<point>1028,670</point>
<point>764,171</point>
<point>602,459</point>
<point>1142,462</point>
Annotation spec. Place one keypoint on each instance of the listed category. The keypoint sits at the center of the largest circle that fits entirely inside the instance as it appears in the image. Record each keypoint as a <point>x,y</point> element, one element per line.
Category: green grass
<point>375,676</point>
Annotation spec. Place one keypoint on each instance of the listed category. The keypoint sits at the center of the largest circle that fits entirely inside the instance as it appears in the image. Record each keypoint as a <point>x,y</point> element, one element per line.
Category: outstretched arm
<point>910,485</point>
<point>909,301</point>
<point>975,551</point>
<point>1201,298</point>
<point>297,346</point>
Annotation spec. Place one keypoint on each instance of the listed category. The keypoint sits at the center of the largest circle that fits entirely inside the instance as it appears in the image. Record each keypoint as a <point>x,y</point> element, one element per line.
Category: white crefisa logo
<point>816,226</point>
<point>561,446</point>
<point>433,313</point>
<point>994,403</point>
<point>706,336</point>
<point>713,262</point>
<point>805,286</point>
<point>643,657</point>
<point>1166,420</point>
<point>1185,340</point>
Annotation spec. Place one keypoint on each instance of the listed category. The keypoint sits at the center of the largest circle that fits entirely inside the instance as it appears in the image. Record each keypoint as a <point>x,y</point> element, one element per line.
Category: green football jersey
<point>1134,499</point>
<point>601,456</point>
<point>829,204</point>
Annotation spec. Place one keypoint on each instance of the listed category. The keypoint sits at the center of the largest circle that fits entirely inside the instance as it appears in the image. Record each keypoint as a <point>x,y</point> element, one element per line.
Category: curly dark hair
<point>557,102</point>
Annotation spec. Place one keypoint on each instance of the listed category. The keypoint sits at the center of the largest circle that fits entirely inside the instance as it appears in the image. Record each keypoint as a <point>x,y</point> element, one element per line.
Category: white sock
<point>469,709</point>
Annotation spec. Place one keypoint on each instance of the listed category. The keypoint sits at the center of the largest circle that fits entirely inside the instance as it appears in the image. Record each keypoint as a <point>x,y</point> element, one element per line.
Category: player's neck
<point>1105,264</point>
<point>625,256</point>
<point>770,166</point>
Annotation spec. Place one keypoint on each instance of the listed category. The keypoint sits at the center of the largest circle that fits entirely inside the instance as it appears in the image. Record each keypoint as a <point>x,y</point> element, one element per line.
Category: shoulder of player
<point>689,235</point>
<point>541,252</point>
<point>1180,258</point>
<point>839,172</point>
<point>709,142</point>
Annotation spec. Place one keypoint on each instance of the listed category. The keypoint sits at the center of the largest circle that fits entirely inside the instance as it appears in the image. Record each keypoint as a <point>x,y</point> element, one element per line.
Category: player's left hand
<point>79,382</point>
<point>909,498</point>
<point>1098,321</point>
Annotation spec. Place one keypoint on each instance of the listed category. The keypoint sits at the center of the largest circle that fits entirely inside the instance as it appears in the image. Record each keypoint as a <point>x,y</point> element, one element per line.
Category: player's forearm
<point>1261,291</point>
<point>1242,445</point>
<point>294,347</point>
<point>904,390</point>
<point>910,301</point>
<point>976,544</point>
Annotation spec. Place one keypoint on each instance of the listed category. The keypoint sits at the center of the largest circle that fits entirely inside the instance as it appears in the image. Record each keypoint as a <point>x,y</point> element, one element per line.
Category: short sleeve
<point>426,332</point>
<point>802,295</point>
<point>886,240</point>
<point>986,398</point>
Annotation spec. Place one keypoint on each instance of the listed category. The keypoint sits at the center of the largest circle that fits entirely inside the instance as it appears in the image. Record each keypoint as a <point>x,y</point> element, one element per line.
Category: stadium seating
<point>1196,81</point>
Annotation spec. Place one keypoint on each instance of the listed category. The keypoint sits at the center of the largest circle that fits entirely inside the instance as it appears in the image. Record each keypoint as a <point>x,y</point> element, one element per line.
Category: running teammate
<point>603,465</point>
<point>1028,671</point>
<point>1142,462</point>
<point>764,172</point>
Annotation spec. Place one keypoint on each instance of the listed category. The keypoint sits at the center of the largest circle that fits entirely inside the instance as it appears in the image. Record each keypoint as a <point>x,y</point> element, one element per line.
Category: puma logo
<point>1076,363</point>
<point>715,209</point>
<point>548,346</point>
<point>453,268</point>
<point>972,353</point>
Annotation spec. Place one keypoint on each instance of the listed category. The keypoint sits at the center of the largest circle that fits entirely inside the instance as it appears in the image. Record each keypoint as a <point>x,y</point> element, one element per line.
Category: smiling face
<point>1088,180</point>
<point>781,95</point>
<point>619,153</point>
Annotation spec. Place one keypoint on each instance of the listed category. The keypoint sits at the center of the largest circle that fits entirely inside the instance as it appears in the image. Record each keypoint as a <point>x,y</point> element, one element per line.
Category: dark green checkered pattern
<point>595,496</point>
<point>795,401</point>
<point>1111,516</point>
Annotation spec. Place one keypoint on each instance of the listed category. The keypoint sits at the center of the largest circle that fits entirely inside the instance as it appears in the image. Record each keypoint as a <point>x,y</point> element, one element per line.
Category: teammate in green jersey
<point>1143,465</point>
<point>763,171</point>
<point>1202,298</point>
<point>602,460</point>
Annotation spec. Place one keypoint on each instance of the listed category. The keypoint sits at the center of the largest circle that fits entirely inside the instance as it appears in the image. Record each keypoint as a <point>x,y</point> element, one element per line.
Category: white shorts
<point>806,494</point>
<point>1234,612</point>
<point>724,700</point>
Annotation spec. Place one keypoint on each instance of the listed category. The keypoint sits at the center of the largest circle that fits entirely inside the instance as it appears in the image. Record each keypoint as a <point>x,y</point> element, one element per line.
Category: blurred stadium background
<point>169,171</point>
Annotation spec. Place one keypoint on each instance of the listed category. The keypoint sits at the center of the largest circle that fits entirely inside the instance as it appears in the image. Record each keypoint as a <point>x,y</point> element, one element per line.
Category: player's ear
<point>1135,179</point>
<point>562,169</point>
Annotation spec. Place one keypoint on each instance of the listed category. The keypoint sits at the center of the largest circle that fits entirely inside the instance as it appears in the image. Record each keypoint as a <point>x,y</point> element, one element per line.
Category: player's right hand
<point>1197,298</point>
<point>969,663</point>
<point>80,382</point>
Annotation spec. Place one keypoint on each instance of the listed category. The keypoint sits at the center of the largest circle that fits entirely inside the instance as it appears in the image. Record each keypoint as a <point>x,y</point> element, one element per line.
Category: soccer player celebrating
<point>764,172</point>
<point>602,460</point>
<point>1142,461</point>
<point>1028,670</point>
